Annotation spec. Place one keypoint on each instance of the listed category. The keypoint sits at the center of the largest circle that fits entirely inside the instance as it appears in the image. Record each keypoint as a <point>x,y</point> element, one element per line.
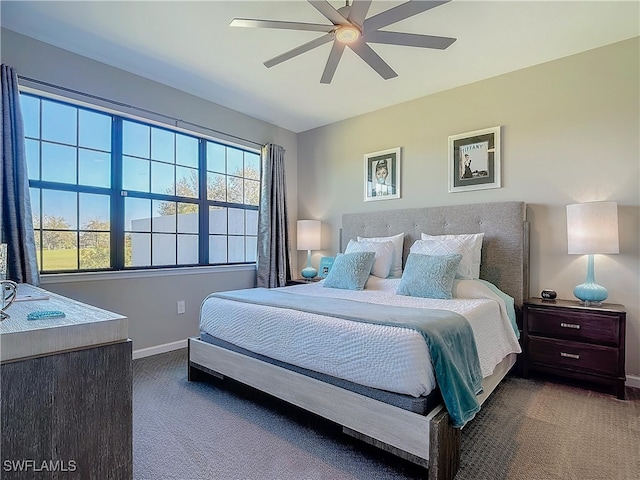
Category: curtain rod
<point>133,107</point>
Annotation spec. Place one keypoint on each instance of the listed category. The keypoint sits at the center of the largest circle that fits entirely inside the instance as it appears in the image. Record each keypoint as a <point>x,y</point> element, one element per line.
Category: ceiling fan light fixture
<point>347,33</point>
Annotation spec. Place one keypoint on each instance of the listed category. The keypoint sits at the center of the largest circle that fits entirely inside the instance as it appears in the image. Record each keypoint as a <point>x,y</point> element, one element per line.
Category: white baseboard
<point>633,381</point>
<point>167,347</point>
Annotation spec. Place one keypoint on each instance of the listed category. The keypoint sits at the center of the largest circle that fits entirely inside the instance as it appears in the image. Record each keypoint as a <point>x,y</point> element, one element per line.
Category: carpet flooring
<point>224,431</point>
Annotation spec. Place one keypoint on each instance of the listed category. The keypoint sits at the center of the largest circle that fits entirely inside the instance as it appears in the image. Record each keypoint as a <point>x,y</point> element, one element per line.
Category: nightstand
<point>566,339</point>
<point>302,281</point>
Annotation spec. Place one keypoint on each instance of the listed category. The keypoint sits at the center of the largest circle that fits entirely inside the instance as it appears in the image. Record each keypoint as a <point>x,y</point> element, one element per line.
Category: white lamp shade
<point>309,235</point>
<point>592,228</point>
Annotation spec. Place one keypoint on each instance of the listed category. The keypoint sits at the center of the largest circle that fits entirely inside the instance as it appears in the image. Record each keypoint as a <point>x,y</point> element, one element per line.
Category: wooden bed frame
<point>428,440</point>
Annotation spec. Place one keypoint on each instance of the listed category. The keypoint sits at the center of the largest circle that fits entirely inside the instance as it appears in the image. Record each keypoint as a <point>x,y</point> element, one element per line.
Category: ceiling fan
<point>351,27</point>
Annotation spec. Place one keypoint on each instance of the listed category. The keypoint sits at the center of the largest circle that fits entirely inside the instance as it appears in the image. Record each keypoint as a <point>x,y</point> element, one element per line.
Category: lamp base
<point>309,272</point>
<point>590,293</point>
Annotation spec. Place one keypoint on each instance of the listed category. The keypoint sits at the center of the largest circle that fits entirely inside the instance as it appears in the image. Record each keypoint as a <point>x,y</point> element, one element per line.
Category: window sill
<point>52,278</point>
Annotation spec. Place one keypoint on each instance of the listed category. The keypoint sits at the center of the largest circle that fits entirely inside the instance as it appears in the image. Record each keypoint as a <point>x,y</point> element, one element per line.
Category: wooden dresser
<point>568,340</point>
<point>66,391</point>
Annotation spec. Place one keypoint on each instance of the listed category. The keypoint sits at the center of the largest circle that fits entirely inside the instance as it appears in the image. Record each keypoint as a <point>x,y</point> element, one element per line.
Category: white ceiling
<point>189,45</point>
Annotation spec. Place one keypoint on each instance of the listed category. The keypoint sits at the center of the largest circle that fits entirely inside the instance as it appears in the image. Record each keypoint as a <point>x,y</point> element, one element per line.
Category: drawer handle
<point>570,355</point>
<point>570,325</point>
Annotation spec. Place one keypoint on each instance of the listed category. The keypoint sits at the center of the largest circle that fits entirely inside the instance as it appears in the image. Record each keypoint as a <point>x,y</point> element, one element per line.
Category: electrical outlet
<point>181,307</point>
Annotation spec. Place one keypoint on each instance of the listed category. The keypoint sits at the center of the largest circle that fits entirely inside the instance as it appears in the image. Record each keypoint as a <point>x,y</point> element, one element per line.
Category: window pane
<point>59,210</point>
<point>235,164</point>
<point>235,190</point>
<point>162,178</point>
<point>217,249</point>
<point>236,249</point>
<point>164,217</point>
<point>59,122</point>
<point>95,130</point>
<point>32,150</point>
<point>252,249</point>
<point>30,107</point>
<point>251,192</point>
<point>135,139</point>
<point>188,218</point>
<point>136,174</point>
<point>186,150</point>
<point>187,249</point>
<point>236,221</point>
<point>38,242</point>
<point>94,168</point>
<point>252,222</point>
<point>216,157</point>
<point>163,249</point>
<point>95,250</point>
<point>34,193</point>
<point>218,220</point>
<point>95,212</point>
<point>137,250</point>
<point>252,165</point>
<point>216,187</point>
<point>137,214</point>
<point>162,145</point>
<point>187,182</point>
<point>59,251</point>
<point>58,163</point>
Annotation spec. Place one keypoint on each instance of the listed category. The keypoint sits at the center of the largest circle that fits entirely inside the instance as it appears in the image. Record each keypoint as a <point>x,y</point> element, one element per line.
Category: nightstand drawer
<point>579,356</point>
<point>591,327</point>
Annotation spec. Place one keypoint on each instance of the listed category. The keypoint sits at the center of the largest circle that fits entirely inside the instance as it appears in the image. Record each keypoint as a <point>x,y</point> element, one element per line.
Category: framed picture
<point>474,160</point>
<point>382,175</point>
<point>325,265</point>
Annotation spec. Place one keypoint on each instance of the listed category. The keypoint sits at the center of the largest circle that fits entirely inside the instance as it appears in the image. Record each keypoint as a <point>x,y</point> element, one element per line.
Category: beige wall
<point>570,133</point>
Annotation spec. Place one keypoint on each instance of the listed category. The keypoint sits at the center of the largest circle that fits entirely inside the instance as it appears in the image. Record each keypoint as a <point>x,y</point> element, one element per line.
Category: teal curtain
<point>16,223</point>
<point>274,262</point>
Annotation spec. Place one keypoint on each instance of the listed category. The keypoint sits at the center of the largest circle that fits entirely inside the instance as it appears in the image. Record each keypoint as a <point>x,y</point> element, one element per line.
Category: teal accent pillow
<point>429,276</point>
<point>350,271</point>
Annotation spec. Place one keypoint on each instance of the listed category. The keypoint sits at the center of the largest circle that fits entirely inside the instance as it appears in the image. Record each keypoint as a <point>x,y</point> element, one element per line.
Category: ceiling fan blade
<point>400,12</point>
<point>409,39</point>
<point>358,12</point>
<point>249,22</point>
<point>299,50</point>
<point>366,53</point>
<point>326,9</point>
<point>332,62</point>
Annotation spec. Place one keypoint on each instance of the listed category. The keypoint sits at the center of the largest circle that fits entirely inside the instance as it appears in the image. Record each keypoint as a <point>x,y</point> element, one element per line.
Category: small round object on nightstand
<point>547,294</point>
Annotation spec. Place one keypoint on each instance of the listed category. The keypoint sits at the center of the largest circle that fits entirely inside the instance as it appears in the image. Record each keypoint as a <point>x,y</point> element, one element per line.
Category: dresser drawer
<point>578,356</point>
<point>572,325</point>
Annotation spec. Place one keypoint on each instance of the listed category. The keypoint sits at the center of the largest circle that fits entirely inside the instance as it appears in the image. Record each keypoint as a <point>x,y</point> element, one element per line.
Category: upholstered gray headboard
<point>505,247</point>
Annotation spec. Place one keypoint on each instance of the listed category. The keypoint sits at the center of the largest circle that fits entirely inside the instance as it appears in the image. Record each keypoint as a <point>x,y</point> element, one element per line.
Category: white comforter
<point>384,357</point>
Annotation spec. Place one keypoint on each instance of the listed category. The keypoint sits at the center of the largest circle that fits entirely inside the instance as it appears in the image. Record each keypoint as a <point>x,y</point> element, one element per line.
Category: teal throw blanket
<point>449,336</point>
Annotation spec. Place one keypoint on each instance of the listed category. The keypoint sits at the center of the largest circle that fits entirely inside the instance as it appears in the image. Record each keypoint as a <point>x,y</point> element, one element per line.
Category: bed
<point>407,418</point>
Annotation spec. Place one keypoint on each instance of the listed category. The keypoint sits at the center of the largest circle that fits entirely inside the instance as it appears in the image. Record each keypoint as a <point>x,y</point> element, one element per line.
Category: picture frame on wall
<point>474,160</point>
<point>382,175</point>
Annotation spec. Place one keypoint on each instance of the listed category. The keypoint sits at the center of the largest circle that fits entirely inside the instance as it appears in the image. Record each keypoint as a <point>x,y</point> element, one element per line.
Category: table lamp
<point>592,228</point>
<point>309,238</point>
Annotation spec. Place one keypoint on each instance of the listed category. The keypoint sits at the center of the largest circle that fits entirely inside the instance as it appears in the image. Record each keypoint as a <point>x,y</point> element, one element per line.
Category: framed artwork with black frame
<point>474,160</point>
<point>382,175</point>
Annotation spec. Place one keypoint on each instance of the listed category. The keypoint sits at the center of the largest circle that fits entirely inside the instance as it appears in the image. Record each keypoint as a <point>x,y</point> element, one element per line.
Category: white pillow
<point>467,245</point>
<point>398,244</point>
<point>384,255</point>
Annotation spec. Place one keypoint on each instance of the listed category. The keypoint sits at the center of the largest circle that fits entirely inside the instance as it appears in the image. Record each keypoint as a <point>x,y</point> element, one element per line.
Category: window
<point>111,193</point>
